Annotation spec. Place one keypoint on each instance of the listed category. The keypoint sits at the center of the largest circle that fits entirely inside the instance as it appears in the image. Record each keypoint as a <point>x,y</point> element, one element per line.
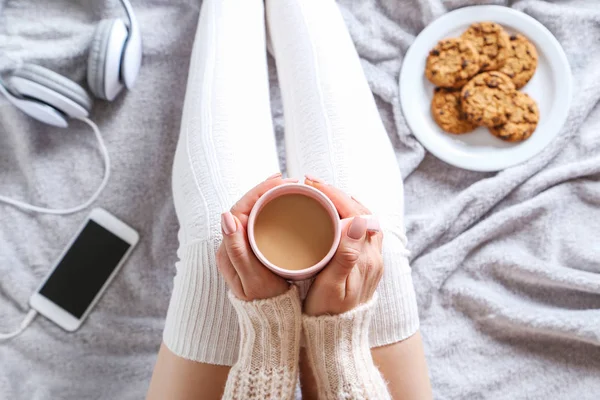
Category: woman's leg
<point>226,146</point>
<point>334,132</point>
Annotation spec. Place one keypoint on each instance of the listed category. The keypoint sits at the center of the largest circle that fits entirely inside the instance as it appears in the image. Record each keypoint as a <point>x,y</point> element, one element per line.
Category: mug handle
<point>372,223</point>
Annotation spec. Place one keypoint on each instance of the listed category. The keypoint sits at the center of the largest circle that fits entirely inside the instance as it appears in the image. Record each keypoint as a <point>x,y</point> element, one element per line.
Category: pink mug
<point>338,224</point>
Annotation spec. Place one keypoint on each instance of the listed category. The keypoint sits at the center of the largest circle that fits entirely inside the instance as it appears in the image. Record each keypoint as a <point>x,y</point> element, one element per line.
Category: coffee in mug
<point>293,231</point>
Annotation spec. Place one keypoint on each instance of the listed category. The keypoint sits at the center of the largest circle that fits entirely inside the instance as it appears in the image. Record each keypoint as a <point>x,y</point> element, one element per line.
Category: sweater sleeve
<point>267,365</point>
<point>340,356</point>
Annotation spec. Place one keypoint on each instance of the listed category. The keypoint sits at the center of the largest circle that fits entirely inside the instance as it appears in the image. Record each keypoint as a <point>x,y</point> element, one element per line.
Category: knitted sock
<point>226,146</point>
<point>333,131</point>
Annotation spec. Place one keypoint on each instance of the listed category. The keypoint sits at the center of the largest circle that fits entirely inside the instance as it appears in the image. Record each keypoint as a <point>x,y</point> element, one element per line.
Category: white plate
<point>551,87</point>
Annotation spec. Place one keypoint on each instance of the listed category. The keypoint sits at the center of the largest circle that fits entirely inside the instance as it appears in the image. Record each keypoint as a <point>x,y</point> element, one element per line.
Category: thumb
<point>349,250</point>
<point>236,245</point>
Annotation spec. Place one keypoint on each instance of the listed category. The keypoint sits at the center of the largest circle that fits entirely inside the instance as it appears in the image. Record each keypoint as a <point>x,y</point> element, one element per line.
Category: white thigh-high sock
<point>333,131</point>
<point>226,146</point>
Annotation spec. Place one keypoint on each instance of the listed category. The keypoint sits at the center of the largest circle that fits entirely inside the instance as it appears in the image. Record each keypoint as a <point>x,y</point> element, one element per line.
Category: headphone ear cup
<point>46,86</point>
<point>104,60</point>
<point>36,109</point>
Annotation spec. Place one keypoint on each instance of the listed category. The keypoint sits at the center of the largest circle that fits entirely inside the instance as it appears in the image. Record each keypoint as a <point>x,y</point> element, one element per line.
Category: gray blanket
<point>506,265</point>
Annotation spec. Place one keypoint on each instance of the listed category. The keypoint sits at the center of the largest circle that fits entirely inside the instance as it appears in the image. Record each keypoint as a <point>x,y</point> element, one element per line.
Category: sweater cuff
<point>269,349</point>
<point>340,357</point>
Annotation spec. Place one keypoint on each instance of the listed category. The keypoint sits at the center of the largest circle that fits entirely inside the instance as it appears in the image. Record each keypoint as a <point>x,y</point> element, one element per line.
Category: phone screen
<point>84,269</point>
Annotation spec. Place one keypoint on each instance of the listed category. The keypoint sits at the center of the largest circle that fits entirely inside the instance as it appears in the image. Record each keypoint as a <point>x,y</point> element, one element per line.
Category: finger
<point>376,238</point>
<point>349,251</point>
<point>228,272</point>
<point>242,208</point>
<point>237,246</point>
<point>346,206</point>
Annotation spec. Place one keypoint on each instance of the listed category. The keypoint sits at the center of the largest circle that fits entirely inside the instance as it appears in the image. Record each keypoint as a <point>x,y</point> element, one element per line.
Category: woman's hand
<point>352,276</point>
<point>247,277</point>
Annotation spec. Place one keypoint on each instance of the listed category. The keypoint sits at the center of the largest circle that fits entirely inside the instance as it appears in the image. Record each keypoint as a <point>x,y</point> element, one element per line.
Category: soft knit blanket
<point>506,265</point>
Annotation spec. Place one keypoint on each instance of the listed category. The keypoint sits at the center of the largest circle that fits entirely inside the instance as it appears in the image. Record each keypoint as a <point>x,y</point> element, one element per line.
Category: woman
<point>332,131</point>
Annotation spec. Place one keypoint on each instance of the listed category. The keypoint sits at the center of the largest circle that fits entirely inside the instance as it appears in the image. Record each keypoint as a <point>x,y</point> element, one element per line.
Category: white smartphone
<point>84,270</point>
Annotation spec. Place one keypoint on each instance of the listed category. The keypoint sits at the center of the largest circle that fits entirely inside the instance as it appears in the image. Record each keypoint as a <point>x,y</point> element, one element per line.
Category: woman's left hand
<point>247,277</point>
<point>352,276</point>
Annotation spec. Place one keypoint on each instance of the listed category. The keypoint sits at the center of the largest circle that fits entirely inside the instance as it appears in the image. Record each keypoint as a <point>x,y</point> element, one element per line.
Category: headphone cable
<point>25,206</point>
<point>26,322</point>
<point>63,211</point>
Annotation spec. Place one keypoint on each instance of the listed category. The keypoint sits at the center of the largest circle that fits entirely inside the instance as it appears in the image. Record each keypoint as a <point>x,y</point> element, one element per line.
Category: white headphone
<point>114,61</point>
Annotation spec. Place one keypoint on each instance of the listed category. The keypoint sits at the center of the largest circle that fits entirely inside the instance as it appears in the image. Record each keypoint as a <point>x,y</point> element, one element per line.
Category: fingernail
<point>228,223</point>
<point>312,178</point>
<point>358,228</point>
<point>290,180</point>
<point>277,175</point>
<point>373,224</point>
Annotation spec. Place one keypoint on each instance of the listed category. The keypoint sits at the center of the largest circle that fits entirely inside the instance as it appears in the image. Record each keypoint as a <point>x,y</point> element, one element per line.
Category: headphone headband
<point>129,11</point>
<point>132,55</point>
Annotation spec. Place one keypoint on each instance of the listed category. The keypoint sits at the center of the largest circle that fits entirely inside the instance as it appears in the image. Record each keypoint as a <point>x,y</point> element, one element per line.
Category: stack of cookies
<point>478,76</point>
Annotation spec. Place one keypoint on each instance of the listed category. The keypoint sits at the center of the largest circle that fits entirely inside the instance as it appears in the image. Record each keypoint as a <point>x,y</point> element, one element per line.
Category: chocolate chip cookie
<point>491,42</point>
<point>522,60</point>
<point>451,63</point>
<point>523,117</point>
<point>486,99</point>
<point>447,113</point>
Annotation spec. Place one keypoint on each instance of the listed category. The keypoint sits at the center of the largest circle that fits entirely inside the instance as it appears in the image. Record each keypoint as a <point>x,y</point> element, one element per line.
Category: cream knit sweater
<point>337,347</point>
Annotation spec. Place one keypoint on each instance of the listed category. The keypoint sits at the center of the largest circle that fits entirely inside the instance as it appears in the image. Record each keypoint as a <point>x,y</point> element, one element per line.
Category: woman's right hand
<point>247,277</point>
<point>352,276</point>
